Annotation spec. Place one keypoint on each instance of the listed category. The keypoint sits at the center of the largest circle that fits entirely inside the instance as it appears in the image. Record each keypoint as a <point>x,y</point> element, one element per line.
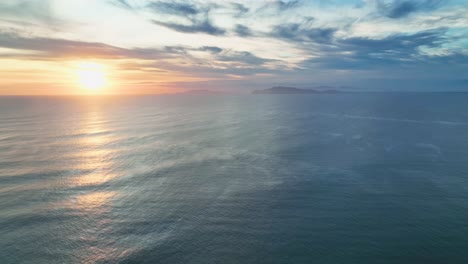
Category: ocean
<point>328,178</point>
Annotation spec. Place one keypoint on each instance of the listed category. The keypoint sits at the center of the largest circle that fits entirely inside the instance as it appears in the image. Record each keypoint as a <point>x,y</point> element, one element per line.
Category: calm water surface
<point>343,178</point>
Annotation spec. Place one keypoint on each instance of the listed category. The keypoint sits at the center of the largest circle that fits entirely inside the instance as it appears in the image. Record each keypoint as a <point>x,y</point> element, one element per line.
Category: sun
<point>91,76</point>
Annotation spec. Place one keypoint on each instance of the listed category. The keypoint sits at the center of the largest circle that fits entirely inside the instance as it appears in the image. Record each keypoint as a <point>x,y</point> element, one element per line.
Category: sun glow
<point>91,76</point>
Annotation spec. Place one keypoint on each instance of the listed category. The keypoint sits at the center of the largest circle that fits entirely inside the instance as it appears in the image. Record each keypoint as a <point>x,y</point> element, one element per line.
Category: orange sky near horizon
<point>31,77</point>
<point>159,47</point>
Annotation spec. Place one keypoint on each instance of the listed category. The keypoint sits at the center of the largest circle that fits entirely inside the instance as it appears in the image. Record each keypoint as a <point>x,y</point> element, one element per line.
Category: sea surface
<point>330,178</point>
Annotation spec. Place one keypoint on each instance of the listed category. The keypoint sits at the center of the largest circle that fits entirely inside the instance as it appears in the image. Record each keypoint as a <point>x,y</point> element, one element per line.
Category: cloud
<point>302,32</point>
<point>233,58</point>
<point>359,52</point>
<point>122,3</point>
<point>174,8</point>
<point>288,39</point>
<point>285,5</point>
<point>184,60</point>
<point>220,62</point>
<point>244,57</point>
<point>242,31</point>
<point>402,8</point>
<point>196,15</point>
<point>196,27</point>
<point>240,9</point>
<point>50,48</point>
<point>35,9</point>
<point>211,49</point>
<point>395,45</point>
<point>55,46</point>
<point>277,7</point>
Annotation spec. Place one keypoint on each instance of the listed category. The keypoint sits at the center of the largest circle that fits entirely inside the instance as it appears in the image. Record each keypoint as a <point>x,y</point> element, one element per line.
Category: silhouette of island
<point>293,90</point>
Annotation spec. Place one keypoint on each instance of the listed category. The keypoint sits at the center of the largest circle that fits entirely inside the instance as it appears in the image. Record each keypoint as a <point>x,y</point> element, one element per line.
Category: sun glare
<point>91,76</point>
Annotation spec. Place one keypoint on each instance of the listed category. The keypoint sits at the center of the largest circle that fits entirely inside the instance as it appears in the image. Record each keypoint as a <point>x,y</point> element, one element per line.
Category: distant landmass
<point>293,90</point>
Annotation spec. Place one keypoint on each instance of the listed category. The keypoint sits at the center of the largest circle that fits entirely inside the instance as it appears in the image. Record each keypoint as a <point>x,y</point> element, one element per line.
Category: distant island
<point>293,90</point>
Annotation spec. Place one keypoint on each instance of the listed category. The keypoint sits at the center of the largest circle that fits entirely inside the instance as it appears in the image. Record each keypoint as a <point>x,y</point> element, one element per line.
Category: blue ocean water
<point>332,178</point>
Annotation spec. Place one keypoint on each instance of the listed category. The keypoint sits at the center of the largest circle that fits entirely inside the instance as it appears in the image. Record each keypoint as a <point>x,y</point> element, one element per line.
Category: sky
<point>55,47</point>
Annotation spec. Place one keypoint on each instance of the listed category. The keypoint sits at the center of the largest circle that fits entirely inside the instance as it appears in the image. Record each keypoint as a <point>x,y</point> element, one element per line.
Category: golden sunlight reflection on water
<point>94,208</point>
<point>95,157</point>
<point>94,204</point>
<point>94,166</point>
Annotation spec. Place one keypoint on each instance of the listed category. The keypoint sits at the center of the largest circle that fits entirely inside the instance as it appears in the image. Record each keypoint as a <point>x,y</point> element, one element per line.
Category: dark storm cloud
<point>303,33</point>
<point>402,8</point>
